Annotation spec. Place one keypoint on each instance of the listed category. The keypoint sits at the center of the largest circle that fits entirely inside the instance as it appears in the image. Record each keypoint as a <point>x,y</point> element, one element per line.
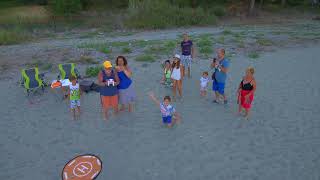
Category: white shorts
<point>205,88</point>
<point>186,60</point>
<point>74,104</point>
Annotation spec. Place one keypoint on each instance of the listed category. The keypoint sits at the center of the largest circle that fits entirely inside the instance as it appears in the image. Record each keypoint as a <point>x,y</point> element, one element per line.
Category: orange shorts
<point>109,101</point>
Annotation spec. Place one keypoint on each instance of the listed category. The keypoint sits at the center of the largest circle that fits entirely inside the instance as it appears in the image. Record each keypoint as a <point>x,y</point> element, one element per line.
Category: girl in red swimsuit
<point>246,90</point>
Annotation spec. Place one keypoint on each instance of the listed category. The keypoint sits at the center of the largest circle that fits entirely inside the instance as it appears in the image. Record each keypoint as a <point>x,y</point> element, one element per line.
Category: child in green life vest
<point>74,94</point>
<point>166,78</point>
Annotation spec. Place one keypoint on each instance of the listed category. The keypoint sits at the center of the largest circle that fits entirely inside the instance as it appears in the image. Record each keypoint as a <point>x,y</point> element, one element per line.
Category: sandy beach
<point>281,141</point>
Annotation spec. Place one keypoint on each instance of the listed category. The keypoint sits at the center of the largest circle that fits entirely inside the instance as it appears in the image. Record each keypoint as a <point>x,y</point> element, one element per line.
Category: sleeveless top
<point>74,92</point>
<point>176,74</point>
<point>167,74</point>
<point>248,86</point>
<point>108,90</point>
<point>125,81</point>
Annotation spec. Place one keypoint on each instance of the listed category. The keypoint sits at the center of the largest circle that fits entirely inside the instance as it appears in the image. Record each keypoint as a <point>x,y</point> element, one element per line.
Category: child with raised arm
<point>74,94</point>
<point>169,114</point>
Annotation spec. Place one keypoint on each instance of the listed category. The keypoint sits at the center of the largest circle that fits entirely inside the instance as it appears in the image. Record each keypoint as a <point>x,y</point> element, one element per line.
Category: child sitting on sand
<point>166,79</point>
<point>74,94</point>
<point>204,81</point>
<point>169,114</point>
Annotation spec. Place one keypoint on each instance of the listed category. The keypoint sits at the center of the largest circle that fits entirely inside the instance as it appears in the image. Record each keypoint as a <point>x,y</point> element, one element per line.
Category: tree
<point>283,2</point>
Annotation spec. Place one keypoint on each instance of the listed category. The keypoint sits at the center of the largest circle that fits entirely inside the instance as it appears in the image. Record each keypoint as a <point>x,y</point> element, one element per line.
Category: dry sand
<point>280,142</point>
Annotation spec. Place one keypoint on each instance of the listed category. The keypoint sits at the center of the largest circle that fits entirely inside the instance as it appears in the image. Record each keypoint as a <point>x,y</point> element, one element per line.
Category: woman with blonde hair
<point>246,90</point>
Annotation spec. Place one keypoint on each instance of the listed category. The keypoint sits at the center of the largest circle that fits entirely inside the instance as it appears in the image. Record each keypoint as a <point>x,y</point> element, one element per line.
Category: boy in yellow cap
<point>108,80</point>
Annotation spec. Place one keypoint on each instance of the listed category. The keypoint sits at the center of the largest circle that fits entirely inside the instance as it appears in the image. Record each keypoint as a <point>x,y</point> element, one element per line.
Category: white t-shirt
<point>204,82</point>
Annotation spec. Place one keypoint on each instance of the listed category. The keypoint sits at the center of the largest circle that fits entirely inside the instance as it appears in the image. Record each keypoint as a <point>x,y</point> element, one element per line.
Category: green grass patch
<point>166,47</point>
<point>205,45</point>
<point>101,47</point>
<point>253,55</point>
<point>126,50</point>
<point>145,58</point>
<point>93,71</point>
<point>221,40</point>
<point>13,36</point>
<point>24,15</point>
<point>264,42</point>
<point>227,32</point>
<point>162,14</point>
<point>87,60</point>
<point>119,44</point>
<point>206,50</point>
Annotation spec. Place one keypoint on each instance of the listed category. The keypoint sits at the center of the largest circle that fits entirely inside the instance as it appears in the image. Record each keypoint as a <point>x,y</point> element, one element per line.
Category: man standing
<point>187,51</point>
<point>221,67</point>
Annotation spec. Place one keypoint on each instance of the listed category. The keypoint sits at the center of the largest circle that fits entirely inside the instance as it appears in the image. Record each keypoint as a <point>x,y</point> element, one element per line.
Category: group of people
<point>174,73</point>
<point>116,84</point>
<point>115,87</point>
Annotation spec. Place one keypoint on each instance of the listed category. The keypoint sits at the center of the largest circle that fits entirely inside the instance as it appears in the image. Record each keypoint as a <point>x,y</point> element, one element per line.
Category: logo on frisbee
<point>84,167</point>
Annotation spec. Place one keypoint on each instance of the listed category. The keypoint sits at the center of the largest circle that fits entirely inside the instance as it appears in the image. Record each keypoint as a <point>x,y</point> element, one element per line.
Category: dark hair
<point>167,98</point>
<point>206,73</point>
<point>125,62</point>
<point>176,64</point>
<point>72,77</point>
<point>214,60</point>
<point>167,61</point>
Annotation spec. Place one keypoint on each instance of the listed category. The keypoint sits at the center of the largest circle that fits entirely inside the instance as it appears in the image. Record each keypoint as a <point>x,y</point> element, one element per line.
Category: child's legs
<point>179,84</point>
<point>73,112</point>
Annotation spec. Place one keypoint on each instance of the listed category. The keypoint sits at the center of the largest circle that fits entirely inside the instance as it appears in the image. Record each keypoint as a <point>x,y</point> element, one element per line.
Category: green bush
<point>93,71</point>
<point>161,14</point>
<point>65,7</point>
<point>253,55</point>
<point>219,11</point>
<point>126,50</point>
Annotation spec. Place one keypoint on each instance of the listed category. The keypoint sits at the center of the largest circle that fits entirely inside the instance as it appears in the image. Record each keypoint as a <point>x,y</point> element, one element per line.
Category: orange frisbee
<point>83,167</point>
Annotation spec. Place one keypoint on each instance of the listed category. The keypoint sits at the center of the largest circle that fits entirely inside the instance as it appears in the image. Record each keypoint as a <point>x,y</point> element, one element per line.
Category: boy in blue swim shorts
<point>169,114</point>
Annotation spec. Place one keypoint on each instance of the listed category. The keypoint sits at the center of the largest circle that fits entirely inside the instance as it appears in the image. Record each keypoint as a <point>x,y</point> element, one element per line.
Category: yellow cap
<point>107,64</point>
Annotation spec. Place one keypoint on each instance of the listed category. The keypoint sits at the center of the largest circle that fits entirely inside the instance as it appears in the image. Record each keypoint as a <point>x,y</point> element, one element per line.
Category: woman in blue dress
<point>126,91</point>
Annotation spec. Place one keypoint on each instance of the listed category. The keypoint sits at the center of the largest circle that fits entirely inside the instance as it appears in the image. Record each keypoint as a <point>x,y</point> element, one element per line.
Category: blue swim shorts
<point>216,86</point>
<point>167,119</point>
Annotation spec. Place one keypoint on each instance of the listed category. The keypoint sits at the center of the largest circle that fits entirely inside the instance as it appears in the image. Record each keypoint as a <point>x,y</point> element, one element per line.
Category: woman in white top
<point>177,76</point>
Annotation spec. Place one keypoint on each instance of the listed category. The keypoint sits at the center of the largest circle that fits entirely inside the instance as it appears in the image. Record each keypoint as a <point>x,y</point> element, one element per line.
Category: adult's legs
<point>174,88</point>
<point>130,108</point>
<point>247,113</point>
